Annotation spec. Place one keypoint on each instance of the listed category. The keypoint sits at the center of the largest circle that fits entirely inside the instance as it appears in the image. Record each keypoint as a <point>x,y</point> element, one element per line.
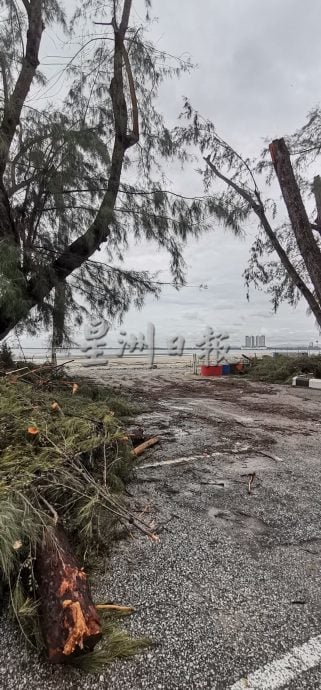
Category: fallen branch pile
<point>64,459</point>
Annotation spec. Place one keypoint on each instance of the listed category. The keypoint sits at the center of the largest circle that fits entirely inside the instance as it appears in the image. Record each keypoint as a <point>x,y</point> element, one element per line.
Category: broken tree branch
<point>45,367</point>
<point>117,608</point>
<point>132,90</point>
<point>51,509</point>
<point>143,446</point>
<point>251,480</point>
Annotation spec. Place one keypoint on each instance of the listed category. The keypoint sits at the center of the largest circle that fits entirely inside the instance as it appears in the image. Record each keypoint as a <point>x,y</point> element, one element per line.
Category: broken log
<point>69,620</point>
<point>143,446</point>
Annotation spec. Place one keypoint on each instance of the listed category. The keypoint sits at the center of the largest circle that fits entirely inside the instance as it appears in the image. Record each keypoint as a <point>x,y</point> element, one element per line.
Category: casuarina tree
<point>285,258</point>
<point>82,169</point>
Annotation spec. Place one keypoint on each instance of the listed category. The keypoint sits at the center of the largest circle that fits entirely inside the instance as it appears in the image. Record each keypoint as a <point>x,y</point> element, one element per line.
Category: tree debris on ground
<point>282,368</point>
<point>251,480</point>
<point>64,462</point>
<point>139,450</point>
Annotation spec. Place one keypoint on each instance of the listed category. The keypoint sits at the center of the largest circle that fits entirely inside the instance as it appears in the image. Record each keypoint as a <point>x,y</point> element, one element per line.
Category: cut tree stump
<point>69,620</point>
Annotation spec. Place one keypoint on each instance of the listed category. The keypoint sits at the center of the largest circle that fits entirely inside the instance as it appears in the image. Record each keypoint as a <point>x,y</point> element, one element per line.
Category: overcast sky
<point>258,75</point>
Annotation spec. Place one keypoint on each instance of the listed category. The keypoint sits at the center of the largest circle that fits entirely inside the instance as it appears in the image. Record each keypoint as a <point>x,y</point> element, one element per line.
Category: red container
<point>211,370</point>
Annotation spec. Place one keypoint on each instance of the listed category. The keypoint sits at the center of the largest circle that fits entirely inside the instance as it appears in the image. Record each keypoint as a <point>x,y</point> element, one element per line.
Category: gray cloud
<point>254,79</point>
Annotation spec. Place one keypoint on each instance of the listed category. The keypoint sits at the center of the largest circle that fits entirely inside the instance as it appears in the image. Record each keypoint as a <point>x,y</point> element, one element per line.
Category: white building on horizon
<point>255,341</point>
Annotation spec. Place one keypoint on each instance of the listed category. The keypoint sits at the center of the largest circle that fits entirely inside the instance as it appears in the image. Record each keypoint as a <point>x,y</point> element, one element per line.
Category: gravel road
<point>234,584</point>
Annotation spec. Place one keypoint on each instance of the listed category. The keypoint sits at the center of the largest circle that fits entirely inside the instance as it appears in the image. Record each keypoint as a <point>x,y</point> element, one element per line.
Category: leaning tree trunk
<point>308,246</point>
<point>68,617</point>
<point>257,206</point>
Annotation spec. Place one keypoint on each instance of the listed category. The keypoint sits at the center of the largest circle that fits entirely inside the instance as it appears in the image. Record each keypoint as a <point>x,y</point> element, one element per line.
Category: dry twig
<point>115,607</point>
<point>251,480</point>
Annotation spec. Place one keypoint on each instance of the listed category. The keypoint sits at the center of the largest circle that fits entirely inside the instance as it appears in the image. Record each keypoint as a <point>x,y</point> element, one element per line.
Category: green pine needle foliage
<point>115,644</point>
<point>282,368</point>
<point>61,454</point>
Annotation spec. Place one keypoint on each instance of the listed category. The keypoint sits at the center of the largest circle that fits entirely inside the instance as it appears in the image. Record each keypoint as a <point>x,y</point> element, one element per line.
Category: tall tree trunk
<point>13,107</point>
<point>58,319</point>
<point>59,305</point>
<point>301,226</point>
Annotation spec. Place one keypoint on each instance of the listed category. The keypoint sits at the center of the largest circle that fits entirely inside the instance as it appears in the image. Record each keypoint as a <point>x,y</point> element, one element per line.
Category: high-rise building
<point>254,341</point>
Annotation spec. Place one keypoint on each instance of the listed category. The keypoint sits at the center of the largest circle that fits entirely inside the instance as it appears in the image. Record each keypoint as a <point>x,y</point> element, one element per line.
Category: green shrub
<point>60,451</point>
<point>282,368</point>
<point>6,359</point>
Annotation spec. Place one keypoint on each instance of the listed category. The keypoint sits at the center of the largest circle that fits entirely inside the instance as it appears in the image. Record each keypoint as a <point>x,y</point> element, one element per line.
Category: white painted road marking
<point>282,671</point>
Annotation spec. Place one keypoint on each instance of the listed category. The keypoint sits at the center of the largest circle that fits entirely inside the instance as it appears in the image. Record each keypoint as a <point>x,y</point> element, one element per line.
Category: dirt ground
<point>230,594</point>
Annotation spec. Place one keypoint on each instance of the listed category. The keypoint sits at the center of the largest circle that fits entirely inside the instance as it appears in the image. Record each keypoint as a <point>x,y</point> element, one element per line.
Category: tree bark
<point>301,226</point>
<point>59,302</point>
<point>12,111</point>
<point>30,62</point>
<point>68,617</point>
<point>58,319</point>
<point>317,196</point>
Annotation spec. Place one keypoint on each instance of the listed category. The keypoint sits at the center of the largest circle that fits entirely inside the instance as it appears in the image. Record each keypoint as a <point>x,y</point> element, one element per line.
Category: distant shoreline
<point>160,355</point>
<point>112,351</point>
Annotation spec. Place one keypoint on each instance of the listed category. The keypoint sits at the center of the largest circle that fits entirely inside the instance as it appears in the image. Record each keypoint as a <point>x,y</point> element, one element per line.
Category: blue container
<point>226,369</point>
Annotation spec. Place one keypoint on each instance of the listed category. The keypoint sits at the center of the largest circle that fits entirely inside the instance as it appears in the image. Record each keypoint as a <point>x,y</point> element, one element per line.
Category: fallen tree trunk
<point>68,617</point>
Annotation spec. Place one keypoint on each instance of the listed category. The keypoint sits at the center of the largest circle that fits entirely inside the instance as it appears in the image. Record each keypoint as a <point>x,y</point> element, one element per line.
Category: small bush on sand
<point>282,368</point>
